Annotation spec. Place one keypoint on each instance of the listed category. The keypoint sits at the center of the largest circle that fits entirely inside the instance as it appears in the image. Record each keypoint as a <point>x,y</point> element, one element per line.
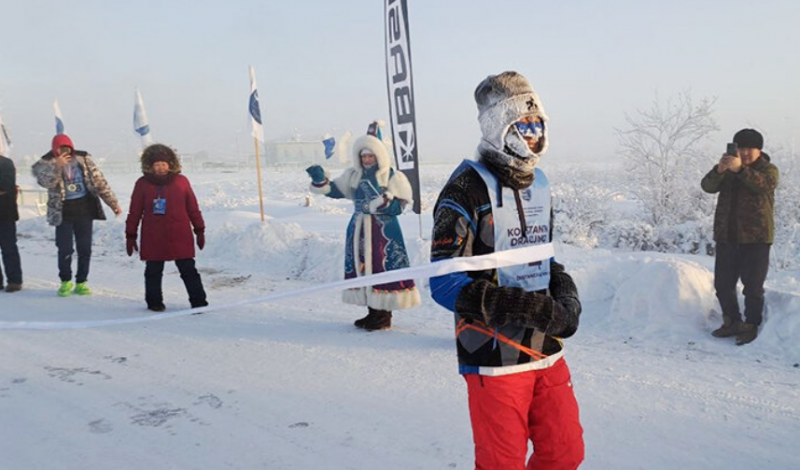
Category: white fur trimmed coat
<point>374,241</point>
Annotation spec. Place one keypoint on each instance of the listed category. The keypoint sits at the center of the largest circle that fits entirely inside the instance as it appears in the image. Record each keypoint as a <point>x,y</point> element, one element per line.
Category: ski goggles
<point>530,129</point>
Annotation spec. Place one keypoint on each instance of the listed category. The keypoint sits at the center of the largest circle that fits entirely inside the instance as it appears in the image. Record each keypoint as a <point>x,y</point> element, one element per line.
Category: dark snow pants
<point>79,230</point>
<point>750,263</point>
<point>509,410</point>
<point>8,246</point>
<point>154,271</point>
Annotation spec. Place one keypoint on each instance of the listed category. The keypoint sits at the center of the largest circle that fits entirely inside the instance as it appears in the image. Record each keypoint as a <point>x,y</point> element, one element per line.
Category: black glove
<point>130,243</point>
<point>201,238</point>
<point>568,306</point>
<point>500,306</point>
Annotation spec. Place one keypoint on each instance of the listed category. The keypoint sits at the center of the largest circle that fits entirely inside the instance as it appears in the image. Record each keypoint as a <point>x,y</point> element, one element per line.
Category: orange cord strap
<point>463,325</point>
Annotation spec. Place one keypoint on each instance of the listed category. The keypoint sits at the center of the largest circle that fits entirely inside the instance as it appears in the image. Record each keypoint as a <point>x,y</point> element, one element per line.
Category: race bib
<point>159,206</point>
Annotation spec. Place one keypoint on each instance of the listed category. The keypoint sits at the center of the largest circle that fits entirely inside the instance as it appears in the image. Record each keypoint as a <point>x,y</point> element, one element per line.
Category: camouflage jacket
<point>746,202</point>
<point>49,177</point>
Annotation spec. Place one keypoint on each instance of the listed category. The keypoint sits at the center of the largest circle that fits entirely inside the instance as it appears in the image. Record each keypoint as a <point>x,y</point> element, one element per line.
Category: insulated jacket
<point>464,226</point>
<point>168,236</point>
<point>50,177</point>
<point>746,202</point>
<point>8,184</point>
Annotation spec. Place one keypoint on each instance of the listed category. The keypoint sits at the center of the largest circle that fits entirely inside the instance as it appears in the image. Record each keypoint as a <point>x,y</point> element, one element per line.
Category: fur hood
<point>381,155</point>
<point>159,152</point>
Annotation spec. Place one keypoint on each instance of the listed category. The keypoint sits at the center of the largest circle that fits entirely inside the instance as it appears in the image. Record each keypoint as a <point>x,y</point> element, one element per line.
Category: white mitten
<point>380,202</point>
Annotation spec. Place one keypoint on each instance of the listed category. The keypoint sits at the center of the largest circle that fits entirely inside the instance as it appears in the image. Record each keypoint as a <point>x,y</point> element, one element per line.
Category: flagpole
<point>258,172</point>
<point>258,132</point>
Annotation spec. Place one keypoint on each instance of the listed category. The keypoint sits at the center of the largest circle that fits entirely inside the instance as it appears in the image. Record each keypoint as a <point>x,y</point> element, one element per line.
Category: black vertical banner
<point>401,93</point>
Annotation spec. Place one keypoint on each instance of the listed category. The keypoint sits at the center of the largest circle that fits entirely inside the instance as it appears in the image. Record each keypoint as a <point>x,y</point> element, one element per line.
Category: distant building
<point>294,153</point>
<point>298,152</point>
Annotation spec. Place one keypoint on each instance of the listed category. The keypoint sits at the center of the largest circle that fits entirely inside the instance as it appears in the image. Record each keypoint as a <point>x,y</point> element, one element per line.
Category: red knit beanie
<point>61,140</point>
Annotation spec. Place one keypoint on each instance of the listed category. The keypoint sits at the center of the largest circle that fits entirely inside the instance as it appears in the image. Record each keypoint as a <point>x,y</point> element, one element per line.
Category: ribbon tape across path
<point>474,263</point>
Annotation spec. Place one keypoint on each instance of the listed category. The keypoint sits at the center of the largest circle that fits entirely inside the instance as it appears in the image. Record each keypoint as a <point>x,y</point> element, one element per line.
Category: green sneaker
<point>66,289</point>
<point>82,289</point>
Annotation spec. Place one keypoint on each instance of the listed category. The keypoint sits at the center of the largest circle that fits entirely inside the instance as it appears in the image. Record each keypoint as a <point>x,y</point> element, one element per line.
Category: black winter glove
<point>500,306</point>
<point>565,293</point>
<point>201,238</point>
<point>130,243</point>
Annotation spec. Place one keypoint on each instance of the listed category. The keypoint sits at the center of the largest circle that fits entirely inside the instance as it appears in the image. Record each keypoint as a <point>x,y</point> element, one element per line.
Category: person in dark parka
<point>165,204</point>
<point>744,228</point>
<point>9,216</point>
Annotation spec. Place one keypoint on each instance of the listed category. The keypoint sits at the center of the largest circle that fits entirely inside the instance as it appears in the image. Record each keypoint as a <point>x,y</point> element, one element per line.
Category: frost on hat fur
<point>503,100</point>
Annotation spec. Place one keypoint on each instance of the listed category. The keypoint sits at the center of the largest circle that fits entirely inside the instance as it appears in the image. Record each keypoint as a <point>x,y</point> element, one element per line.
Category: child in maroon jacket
<point>164,202</point>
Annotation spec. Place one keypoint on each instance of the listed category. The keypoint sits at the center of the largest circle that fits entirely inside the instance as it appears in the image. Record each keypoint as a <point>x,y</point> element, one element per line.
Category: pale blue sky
<point>320,68</point>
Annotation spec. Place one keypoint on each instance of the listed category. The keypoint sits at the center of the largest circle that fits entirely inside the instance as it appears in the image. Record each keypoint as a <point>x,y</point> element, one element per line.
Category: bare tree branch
<point>661,145</point>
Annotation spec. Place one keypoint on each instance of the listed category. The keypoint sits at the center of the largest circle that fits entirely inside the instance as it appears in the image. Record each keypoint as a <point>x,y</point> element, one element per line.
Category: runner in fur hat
<point>374,241</point>
<point>510,322</point>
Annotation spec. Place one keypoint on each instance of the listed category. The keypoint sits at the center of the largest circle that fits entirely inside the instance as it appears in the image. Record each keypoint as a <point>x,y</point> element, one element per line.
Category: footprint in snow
<point>100,426</point>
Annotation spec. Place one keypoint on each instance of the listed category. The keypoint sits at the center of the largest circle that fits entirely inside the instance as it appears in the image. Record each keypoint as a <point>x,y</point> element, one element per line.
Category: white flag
<point>140,123</point>
<point>255,108</point>
<point>344,147</point>
<point>59,119</point>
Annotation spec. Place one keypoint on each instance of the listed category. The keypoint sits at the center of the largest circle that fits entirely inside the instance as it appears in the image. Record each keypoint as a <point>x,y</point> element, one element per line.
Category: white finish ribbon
<point>474,263</point>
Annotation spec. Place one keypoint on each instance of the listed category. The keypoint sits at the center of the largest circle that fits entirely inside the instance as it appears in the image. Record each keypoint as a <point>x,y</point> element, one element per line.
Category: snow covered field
<point>293,385</point>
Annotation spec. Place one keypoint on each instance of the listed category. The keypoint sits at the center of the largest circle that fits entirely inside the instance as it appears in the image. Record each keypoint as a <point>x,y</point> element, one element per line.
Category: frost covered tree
<point>785,251</point>
<point>663,150</point>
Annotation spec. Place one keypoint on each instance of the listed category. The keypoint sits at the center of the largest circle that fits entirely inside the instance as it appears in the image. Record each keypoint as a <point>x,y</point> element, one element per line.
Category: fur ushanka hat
<point>504,99</point>
<point>749,139</point>
<point>160,153</point>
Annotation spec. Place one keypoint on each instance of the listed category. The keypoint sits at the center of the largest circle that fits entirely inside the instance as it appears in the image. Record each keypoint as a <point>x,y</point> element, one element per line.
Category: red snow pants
<point>508,410</point>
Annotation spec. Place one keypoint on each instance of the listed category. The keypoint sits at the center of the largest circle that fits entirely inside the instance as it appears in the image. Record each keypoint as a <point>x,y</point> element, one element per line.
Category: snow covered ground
<point>293,385</point>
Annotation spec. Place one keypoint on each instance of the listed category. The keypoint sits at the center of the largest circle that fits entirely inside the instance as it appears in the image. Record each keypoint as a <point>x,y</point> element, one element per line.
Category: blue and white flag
<point>59,119</point>
<point>5,140</point>
<point>330,144</point>
<point>140,123</point>
<point>255,108</point>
